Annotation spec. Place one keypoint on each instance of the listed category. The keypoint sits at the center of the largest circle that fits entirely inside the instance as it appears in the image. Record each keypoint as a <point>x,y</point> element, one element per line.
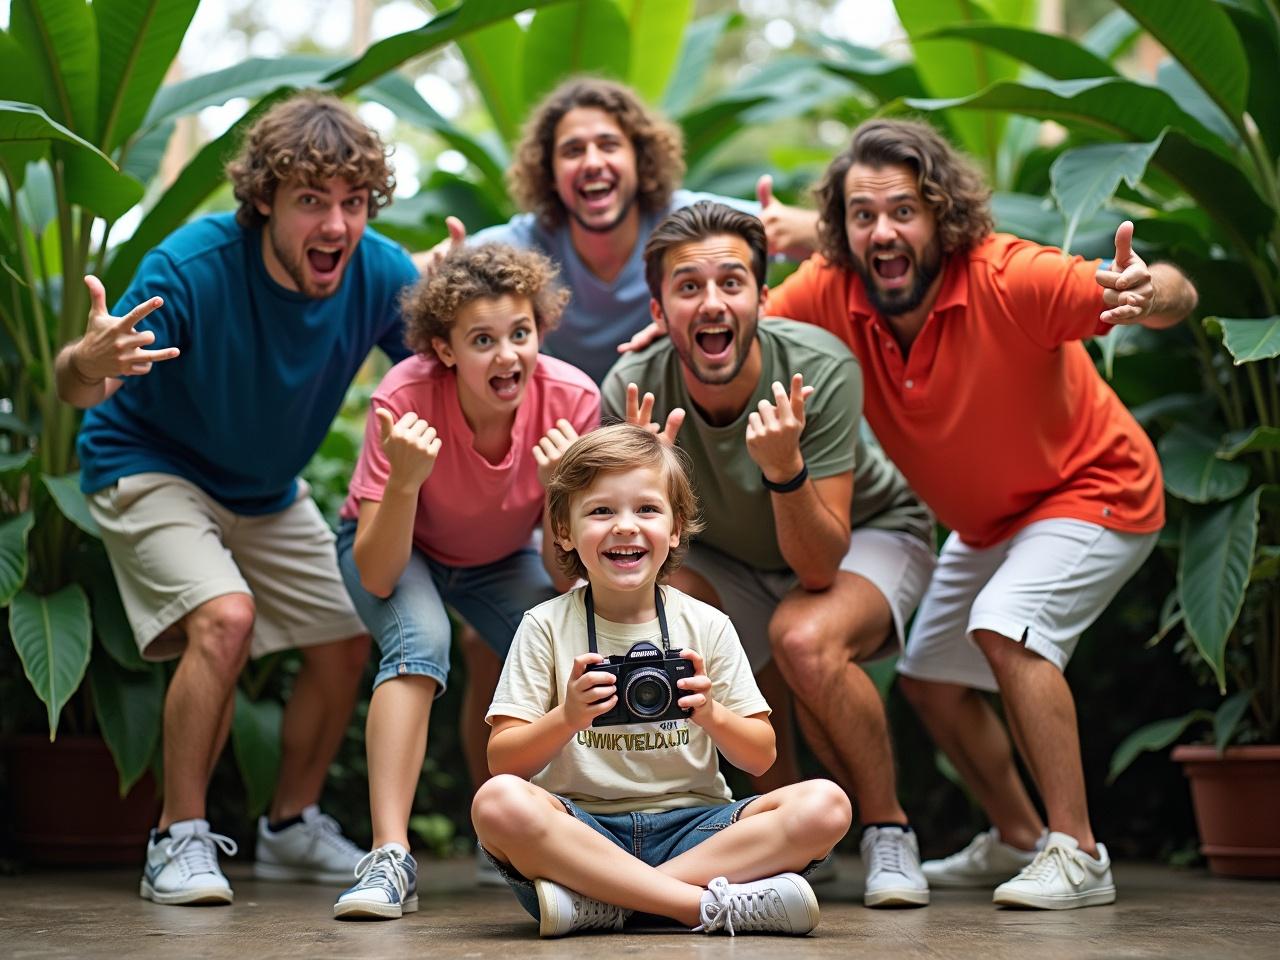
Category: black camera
<point>646,681</point>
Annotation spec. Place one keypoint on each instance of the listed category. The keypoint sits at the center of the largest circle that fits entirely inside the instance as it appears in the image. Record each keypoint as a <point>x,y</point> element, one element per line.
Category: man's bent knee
<point>220,630</point>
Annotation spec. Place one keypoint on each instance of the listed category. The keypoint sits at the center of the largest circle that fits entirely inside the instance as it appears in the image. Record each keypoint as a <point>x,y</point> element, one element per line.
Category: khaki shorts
<point>897,564</point>
<point>173,548</point>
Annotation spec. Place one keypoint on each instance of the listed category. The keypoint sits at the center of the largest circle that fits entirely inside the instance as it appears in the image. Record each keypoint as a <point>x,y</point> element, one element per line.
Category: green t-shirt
<point>735,504</point>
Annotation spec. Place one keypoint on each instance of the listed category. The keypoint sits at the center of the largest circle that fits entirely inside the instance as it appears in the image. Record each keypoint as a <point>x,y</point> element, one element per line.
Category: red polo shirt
<point>997,417</point>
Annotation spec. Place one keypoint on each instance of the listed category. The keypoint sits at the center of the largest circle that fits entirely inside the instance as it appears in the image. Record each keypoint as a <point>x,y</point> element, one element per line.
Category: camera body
<point>646,681</point>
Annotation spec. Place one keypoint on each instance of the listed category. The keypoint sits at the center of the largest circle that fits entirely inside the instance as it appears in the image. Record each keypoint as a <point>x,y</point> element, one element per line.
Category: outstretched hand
<point>428,260</point>
<point>111,347</point>
<point>791,231</point>
<point>774,429</point>
<point>552,447</point>
<point>641,339</point>
<point>1127,286</point>
<point>411,446</point>
<point>640,413</point>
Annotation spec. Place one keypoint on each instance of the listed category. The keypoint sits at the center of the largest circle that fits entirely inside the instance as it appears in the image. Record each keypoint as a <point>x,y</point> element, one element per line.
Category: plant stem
<point>1232,411</point>
<point>1264,415</point>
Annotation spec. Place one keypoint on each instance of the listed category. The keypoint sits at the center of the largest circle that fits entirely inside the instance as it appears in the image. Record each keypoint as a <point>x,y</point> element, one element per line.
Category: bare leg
<point>816,638</point>
<point>483,669</point>
<point>315,719</point>
<point>196,706</point>
<point>396,743</point>
<point>964,726</point>
<point>1038,700</point>
<point>786,766</point>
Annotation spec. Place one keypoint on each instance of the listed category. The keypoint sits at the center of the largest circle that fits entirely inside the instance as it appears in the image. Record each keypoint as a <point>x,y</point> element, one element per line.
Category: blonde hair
<point>616,449</point>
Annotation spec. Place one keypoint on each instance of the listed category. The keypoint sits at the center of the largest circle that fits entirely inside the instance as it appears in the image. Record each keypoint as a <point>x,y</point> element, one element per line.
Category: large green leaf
<point>696,54</point>
<point>882,76</point>
<point>1173,79</point>
<point>110,622</point>
<point>1248,340</point>
<point>60,37</point>
<point>655,28</point>
<point>1112,35</point>
<point>1249,440</point>
<point>495,63</point>
<point>1052,55</point>
<point>1228,716</point>
<point>52,635</point>
<point>1085,178</point>
<point>386,55</point>
<point>255,737</point>
<point>1213,571</point>
<point>66,494</point>
<point>137,40</point>
<point>18,78</point>
<point>713,123</point>
<point>13,554</point>
<point>1262,45</point>
<point>1200,35</point>
<point>130,708</point>
<point>1193,470</point>
<point>589,36</point>
<point>1154,736</point>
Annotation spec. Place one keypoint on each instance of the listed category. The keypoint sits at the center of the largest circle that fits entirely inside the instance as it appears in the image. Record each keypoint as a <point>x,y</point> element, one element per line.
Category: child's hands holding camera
<point>697,689</point>
<point>589,693</point>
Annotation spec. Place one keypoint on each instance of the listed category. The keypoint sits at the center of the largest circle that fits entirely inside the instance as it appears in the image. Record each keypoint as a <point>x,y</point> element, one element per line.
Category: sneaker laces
<point>887,853</point>
<point>978,851</point>
<point>757,909</point>
<point>385,869</point>
<point>589,912</point>
<point>327,830</point>
<point>1051,861</point>
<point>197,852</point>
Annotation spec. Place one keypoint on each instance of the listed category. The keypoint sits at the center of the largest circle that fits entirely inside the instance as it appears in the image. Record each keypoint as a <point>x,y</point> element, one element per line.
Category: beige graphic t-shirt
<point>644,767</point>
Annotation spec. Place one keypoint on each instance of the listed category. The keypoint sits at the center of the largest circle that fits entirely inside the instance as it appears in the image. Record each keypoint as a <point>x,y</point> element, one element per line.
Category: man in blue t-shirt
<point>191,465</point>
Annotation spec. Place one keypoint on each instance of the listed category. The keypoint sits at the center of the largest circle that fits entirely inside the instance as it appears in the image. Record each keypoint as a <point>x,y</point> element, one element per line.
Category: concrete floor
<point>1161,913</point>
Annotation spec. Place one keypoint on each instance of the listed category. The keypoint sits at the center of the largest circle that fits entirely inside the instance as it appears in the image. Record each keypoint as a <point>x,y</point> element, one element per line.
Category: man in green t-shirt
<point>776,469</point>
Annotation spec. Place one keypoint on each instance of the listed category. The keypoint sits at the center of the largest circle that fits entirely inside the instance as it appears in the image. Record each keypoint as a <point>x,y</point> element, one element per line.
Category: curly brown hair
<point>472,272</point>
<point>658,144</point>
<point>311,137</point>
<point>948,183</point>
<point>614,449</point>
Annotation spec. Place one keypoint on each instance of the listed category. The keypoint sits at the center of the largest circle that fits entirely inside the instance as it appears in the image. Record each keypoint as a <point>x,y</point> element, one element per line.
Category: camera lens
<point>647,693</point>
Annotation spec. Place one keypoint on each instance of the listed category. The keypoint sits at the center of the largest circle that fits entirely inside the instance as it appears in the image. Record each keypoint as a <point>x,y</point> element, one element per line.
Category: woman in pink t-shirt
<point>447,493</point>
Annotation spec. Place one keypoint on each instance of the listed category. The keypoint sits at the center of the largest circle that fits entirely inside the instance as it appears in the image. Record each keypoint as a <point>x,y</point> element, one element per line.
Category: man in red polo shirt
<point>980,390</point>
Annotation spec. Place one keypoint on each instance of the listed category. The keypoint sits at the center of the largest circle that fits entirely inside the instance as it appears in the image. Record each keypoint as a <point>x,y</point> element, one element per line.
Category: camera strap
<point>591,620</point>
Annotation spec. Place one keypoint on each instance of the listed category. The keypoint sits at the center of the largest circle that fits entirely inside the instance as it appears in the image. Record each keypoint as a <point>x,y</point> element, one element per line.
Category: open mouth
<point>714,340</point>
<point>891,265</point>
<point>626,556</point>
<point>597,193</point>
<point>506,386</point>
<point>324,260</point>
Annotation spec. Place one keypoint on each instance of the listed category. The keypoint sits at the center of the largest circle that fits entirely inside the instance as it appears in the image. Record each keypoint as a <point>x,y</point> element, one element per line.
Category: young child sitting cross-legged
<point>637,812</point>
<point>460,441</point>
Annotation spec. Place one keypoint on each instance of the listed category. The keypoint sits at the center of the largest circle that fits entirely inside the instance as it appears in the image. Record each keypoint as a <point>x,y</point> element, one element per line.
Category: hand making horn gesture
<point>428,260</point>
<point>640,411</point>
<point>773,431</point>
<point>111,347</point>
<point>1127,286</point>
<point>411,446</point>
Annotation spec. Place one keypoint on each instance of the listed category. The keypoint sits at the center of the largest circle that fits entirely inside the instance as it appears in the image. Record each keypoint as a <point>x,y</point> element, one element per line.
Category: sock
<point>904,827</point>
<point>278,825</point>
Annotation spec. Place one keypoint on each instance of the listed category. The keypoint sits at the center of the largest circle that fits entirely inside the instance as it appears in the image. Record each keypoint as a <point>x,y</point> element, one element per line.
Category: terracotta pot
<point>1237,802</point>
<point>67,806</point>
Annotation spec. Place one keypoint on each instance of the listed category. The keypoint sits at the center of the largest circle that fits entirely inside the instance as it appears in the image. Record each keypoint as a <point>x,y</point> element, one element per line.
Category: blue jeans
<point>411,627</point>
<point>653,838</point>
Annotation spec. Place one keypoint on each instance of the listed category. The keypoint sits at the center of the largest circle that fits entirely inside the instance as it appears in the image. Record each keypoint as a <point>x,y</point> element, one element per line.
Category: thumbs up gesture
<point>111,347</point>
<point>411,446</point>
<point>792,231</point>
<point>427,260</point>
<point>1127,286</point>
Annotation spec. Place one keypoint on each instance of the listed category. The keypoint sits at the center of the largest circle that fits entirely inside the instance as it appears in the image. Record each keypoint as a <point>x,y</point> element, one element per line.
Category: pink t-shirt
<point>470,511</point>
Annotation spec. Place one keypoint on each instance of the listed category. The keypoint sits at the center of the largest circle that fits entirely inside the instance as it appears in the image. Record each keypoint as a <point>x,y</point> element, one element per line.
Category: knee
<point>220,631</point>
<point>503,808</point>
<point>800,653</point>
<point>822,815</point>
<point>1000,651</point>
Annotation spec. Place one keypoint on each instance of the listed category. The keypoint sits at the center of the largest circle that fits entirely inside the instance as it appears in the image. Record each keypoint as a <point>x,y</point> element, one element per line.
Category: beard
<point>612,224</point>
<point>687,351</point>
<point>895,302</point>
<point>297,270</point>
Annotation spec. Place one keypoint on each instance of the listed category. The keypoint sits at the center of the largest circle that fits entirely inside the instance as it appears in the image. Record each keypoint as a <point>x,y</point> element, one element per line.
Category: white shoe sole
<point>370,910</point>
<point>281,872</point>
<point>901,897</point>
<point>811,908</point>
<point>548,912</point>
<point>194,897</point>
<point>1091,898</point>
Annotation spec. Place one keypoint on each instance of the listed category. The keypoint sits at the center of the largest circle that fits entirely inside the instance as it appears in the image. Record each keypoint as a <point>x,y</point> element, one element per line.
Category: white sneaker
<point>825,872</point>
<point>487,874</point>
<point>781,904</point>
<point>182,868</point>
<point>1061,877</point>
<point>892,859</point>
<point>313,851</point>
<point>386,886</point>
<point>564,911</point>
<point>986,861</point>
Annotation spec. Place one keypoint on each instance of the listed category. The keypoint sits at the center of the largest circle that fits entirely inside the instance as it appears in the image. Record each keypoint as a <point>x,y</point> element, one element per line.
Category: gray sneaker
<point>312,851</point>
<point>182,868</point>
<point>985,862</point>
<point>386,886</point>
<point>562,911</point>
<point>1061,877</point>
<point>781,904</point>
<point>892,861</point>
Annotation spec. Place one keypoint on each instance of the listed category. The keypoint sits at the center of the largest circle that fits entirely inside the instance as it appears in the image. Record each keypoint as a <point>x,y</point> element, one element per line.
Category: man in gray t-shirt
<point>768,412</point>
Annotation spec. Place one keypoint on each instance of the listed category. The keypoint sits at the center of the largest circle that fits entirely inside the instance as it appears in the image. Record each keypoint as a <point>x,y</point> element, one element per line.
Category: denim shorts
<point>411,627</point>
<point>653,838</point>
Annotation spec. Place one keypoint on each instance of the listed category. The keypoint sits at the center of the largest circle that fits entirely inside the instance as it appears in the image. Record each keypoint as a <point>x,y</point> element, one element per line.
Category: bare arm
<point>812,525</point>
<point>746,742</point>
<point>1156,296</point>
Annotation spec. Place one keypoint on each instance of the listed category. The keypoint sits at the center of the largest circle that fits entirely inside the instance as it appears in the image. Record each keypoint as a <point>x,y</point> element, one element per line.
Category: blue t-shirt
<point>263,369</point>
<point>600,315</point>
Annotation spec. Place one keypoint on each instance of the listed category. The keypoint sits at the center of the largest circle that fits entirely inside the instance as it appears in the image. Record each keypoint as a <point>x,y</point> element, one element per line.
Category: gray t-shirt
<point>735,504</point>
<point>600,315</point>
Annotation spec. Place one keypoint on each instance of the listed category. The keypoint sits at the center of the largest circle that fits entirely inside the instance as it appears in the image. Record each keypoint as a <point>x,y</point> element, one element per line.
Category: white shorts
<point>896,563</point>
<point>1042,587</point>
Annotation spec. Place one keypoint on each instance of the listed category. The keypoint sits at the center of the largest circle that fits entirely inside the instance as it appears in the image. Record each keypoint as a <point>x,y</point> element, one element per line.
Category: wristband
<point>795,483</point>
